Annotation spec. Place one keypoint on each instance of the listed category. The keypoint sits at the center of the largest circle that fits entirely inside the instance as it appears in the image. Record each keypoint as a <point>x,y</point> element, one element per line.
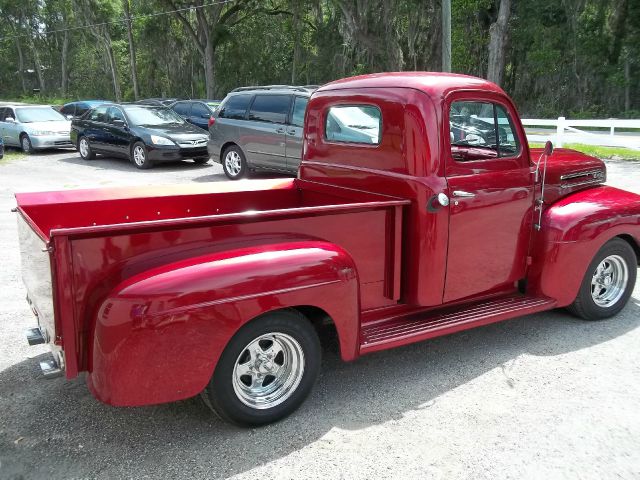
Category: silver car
<point>34,127</point>
<point>259,128</point>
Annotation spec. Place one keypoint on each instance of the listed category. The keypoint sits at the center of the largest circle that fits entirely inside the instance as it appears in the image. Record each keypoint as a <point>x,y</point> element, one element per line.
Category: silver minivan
<point>259,128</point>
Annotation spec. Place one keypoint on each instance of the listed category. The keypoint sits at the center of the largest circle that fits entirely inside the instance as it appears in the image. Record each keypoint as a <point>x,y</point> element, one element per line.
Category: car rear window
<point>199,110</point>
<point>270,108</point>
<point>235,107</point>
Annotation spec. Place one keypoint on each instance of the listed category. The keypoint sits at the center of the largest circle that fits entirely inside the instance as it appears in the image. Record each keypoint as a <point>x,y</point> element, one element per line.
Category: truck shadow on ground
<point>55,429</point>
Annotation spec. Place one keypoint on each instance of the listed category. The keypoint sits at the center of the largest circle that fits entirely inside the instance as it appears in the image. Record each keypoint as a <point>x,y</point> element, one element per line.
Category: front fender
<point>159,334</point>
<point>573,230</point>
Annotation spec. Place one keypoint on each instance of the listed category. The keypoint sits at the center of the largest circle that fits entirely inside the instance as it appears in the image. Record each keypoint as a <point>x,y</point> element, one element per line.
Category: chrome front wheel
<point>234,163</point>
<point>139,156</point>
<point>609,281</point>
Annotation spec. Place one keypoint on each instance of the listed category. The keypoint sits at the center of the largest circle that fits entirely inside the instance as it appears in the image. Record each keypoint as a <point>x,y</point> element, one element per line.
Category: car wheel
<point>85,149</point>
<point>139,156</point>
<point>608,283</point>
<point>201,161</point>
<point>25,144</point>
<point>266,371</point>
<point>234,163</point>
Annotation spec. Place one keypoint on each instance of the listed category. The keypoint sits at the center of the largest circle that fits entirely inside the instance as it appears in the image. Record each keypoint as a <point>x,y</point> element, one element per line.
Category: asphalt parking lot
<point>543,396</point>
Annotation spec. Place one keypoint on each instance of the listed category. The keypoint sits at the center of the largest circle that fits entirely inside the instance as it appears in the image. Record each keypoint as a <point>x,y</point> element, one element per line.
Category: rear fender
<point>573,230</point>
<point>159,334</point>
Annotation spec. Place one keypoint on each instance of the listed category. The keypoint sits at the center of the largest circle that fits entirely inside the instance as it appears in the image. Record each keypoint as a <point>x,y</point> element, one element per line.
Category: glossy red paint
<point>149,284</point>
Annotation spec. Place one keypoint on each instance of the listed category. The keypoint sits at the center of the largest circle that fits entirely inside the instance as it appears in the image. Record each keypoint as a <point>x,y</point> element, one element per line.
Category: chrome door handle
<point>463,194</point>
<point>279,130</point>
<point>291,132</point>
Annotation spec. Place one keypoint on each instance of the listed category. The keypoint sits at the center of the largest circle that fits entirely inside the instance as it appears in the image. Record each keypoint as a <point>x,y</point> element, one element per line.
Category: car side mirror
<point>10,120</point>
<point>69,116</point>
<point>548,148</point>
<point>119,123</point>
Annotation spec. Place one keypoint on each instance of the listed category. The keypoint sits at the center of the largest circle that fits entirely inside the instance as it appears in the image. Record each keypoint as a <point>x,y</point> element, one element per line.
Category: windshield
<point>38,114</point>
<point>152,116</point>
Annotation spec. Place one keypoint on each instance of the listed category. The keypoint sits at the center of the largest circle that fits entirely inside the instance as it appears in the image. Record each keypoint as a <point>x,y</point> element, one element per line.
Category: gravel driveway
<point>543,396</point>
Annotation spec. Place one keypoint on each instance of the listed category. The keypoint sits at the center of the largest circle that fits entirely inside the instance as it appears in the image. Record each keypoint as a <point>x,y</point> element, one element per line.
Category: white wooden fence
<point>566,132</point>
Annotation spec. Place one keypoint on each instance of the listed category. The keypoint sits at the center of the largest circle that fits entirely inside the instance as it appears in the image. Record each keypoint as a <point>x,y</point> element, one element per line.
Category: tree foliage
<point>569,57</point>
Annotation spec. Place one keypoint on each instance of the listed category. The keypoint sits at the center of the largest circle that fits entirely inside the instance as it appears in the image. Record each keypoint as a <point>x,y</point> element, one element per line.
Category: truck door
<point>490,186</point>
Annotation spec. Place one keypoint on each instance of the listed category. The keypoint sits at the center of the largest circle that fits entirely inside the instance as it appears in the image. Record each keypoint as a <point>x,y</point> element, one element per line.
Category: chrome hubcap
<point>138,155</point>
<point>233,162</point>
<point>609,281</point>
<point>25,144</point>
<point>268,370</point>
<point>84,148</point>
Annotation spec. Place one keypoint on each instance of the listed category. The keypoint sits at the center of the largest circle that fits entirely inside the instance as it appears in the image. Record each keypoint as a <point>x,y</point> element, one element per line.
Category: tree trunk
<point>112,66</point>
<point>209,69</point>
<point>627,84</point>
<point>446,35</point>
<point>132,50</point>
<point>21,65</point>
<point>64,65</point>
<point>37,64</point>
<point>296,40</point>
<point>498,33</point>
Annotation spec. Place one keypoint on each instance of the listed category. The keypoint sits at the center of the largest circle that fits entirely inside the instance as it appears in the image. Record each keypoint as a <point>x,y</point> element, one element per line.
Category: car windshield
<point>38,114</point>
<point>152,116</point>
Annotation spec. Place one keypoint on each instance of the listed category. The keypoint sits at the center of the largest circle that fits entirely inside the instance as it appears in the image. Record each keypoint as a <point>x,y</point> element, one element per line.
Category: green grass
<point>10,155</point>
<point>617,153</point>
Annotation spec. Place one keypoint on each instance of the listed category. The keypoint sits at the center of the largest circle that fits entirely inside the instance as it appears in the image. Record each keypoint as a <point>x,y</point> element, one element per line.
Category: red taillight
<point>212,120</point>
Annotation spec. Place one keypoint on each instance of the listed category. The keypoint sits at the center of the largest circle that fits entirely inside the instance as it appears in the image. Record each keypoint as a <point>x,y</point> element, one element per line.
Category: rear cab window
<point>235,107</point>
<point>270,108</point>
<point>353,124</point>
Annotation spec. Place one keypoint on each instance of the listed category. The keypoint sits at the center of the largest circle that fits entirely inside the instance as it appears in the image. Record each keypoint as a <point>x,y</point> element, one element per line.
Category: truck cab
<point>419,210</point>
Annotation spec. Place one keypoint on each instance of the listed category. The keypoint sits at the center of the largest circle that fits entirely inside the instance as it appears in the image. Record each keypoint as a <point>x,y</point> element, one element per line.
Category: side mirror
<point>548,148</point>
<point>69,116</point>
<point>10,120</point>
<point>119,123</point>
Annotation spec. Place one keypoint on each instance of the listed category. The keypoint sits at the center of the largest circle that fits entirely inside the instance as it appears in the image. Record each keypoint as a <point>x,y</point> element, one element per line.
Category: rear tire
<point>25,144</point>
<point>84,147</point>
<point>139,156</point>
<point>234,163</point>
<point>608,282</point>
<point>266,371</point>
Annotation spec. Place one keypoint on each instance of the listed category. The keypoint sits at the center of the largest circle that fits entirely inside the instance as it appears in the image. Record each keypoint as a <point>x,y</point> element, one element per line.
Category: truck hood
<point>569,171</point>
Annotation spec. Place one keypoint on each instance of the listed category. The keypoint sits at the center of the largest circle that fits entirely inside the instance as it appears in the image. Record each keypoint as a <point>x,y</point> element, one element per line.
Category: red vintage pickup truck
<point>419,210</point>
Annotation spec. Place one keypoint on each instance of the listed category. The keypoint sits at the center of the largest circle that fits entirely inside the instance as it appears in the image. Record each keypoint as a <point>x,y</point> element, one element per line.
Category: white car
<point>34,127</point>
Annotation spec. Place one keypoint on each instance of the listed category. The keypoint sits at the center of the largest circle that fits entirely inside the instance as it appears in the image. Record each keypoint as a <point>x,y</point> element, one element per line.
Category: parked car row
<point>253,128</point>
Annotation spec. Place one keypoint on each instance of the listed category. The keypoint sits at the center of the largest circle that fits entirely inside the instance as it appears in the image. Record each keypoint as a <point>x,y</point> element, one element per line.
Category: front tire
<point>608,282</point>
<point>85,149</point>
<point>266,371</point>
<point>26,145</point>
<point>139,156</point>
<point>234,163</point>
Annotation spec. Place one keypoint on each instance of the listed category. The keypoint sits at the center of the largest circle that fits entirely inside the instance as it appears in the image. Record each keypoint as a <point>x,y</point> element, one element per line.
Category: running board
<point>403,330</point>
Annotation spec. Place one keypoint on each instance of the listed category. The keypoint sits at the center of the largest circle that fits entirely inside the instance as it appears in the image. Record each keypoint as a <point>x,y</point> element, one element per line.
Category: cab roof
<point>435,84</point>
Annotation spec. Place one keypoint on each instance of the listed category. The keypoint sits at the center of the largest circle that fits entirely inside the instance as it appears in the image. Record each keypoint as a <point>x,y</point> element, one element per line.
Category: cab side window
<point>481,131</point>
<point>115,114</point>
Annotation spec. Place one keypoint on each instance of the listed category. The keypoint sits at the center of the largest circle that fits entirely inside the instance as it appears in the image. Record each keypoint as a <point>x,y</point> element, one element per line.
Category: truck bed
<point>91,240</point>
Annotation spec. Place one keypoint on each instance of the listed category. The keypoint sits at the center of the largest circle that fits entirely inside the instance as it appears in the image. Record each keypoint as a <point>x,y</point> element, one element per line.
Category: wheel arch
<point>152,334</point>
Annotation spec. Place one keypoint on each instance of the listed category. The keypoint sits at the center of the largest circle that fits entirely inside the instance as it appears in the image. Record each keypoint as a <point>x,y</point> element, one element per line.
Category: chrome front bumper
<point>51,141</point>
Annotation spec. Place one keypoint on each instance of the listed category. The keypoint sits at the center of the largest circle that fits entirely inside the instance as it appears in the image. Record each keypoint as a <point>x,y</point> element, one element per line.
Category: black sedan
<point>198,112</point>
<point>144,134</point>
